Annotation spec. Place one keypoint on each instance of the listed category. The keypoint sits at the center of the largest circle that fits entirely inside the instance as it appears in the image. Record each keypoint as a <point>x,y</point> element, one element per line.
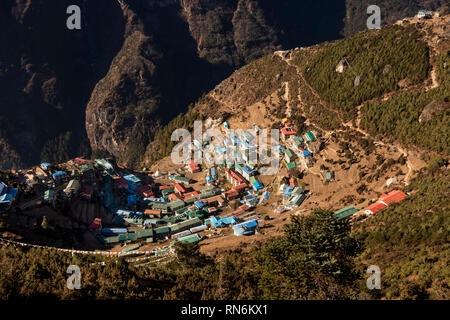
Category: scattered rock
<point>432,109</point>
<point>357,81</point>
<point>341,65</point>
<point>404,83</point>
<point>391,181</point>
<point>387,69</point>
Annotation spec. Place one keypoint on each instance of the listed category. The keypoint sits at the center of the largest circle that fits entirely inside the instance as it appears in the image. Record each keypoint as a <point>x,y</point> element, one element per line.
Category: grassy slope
<point>410,242</point>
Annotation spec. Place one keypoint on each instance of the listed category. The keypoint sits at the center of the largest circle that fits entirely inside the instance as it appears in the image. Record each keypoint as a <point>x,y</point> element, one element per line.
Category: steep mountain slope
<point>48,73</point>
<point>404,65</point>
<point>174,52</point>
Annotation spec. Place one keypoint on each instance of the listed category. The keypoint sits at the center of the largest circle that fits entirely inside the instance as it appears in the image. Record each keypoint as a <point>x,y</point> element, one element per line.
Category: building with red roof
<point>153,212</point>
<point>179,188</point>
<point>234,177</point>
<point>96,224</point>
<point>81,161</point>
<point>174,197</point>
<point>216,200</point>
<point>375,207</point>
<point>241,187</point>
<point>393,196</point>
<point>194,167</point>
<point>230,194</point>
<point>191,195</point>
<point>148,194</point>
<point>144,189</point>
<point>286,132</point>
<point>292,182</point>
<point>87,193</point>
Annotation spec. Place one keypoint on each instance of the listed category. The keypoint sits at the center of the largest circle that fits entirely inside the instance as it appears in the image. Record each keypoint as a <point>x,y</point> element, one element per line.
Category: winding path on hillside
<point>357,127</point>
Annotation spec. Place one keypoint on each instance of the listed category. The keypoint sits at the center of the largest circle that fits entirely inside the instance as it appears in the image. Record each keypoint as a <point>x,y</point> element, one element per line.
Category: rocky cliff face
<point>176,50</point>
<point>47,72</point>
<point>135,65</point>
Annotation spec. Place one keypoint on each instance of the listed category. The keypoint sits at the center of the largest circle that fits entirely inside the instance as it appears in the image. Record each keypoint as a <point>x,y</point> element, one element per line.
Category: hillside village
<point>99,205</point>
<point>119,210</point>
<point>361,180</point>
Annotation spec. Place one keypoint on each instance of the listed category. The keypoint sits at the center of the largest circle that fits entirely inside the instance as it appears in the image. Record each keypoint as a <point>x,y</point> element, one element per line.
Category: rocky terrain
<point>134,65</point>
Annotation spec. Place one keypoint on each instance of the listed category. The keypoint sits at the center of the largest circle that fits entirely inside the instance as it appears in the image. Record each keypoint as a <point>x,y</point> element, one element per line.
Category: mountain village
<point>123,211</point>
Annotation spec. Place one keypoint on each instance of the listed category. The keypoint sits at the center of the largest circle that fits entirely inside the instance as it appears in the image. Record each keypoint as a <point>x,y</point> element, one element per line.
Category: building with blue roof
<point>215,222</point>
<point>247,172</point>
<point>199,204</point>
<point>60,175</point>
<point>245,228</point>
<point>45,165</point>
<point>228,220</point>
<point>132,179</point>
<point>257,185</point>
<point>7,195</point>
<point>306,153</point>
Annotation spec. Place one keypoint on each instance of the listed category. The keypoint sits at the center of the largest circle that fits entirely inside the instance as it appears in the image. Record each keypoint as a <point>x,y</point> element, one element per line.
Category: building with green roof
<point>168,191</point>
<point>161,232</point>
<point>181,179</point>
<point>185,225</point>
<point>175,205</point>
<point>164,207</point>
<point>290,156</point>
<point>290,165</point>
<point>193,238</point>
<point>310,136</point>
<point>344,213</point>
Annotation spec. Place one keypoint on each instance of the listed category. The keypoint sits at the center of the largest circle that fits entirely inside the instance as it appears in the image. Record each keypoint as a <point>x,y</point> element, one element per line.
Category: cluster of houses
<point>296,147</point>
<point>144,210</point>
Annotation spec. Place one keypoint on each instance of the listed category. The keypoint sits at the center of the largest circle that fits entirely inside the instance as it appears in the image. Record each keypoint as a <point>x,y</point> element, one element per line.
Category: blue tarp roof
<point>228,220</point>
<point>114,230</point>
<point>245,228</point>
<point>199,228</point>
<point>247,170</point>
<point>3,188</point>
<point>8,195</point>
<point>215,221</point>
<point>45,164</point>
<point>122,212</point>
<point>306,153</point>
<point>287,192</point>
<point>199,204</point>
<point>59,173</point>
<point>247,224</point>
<point>258,185</point>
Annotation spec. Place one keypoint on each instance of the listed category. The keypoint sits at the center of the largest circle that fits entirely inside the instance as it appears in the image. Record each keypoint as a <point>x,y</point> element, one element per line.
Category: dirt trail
<point>302,78</point>
<point>286,98</point>
<point>349,125</point>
